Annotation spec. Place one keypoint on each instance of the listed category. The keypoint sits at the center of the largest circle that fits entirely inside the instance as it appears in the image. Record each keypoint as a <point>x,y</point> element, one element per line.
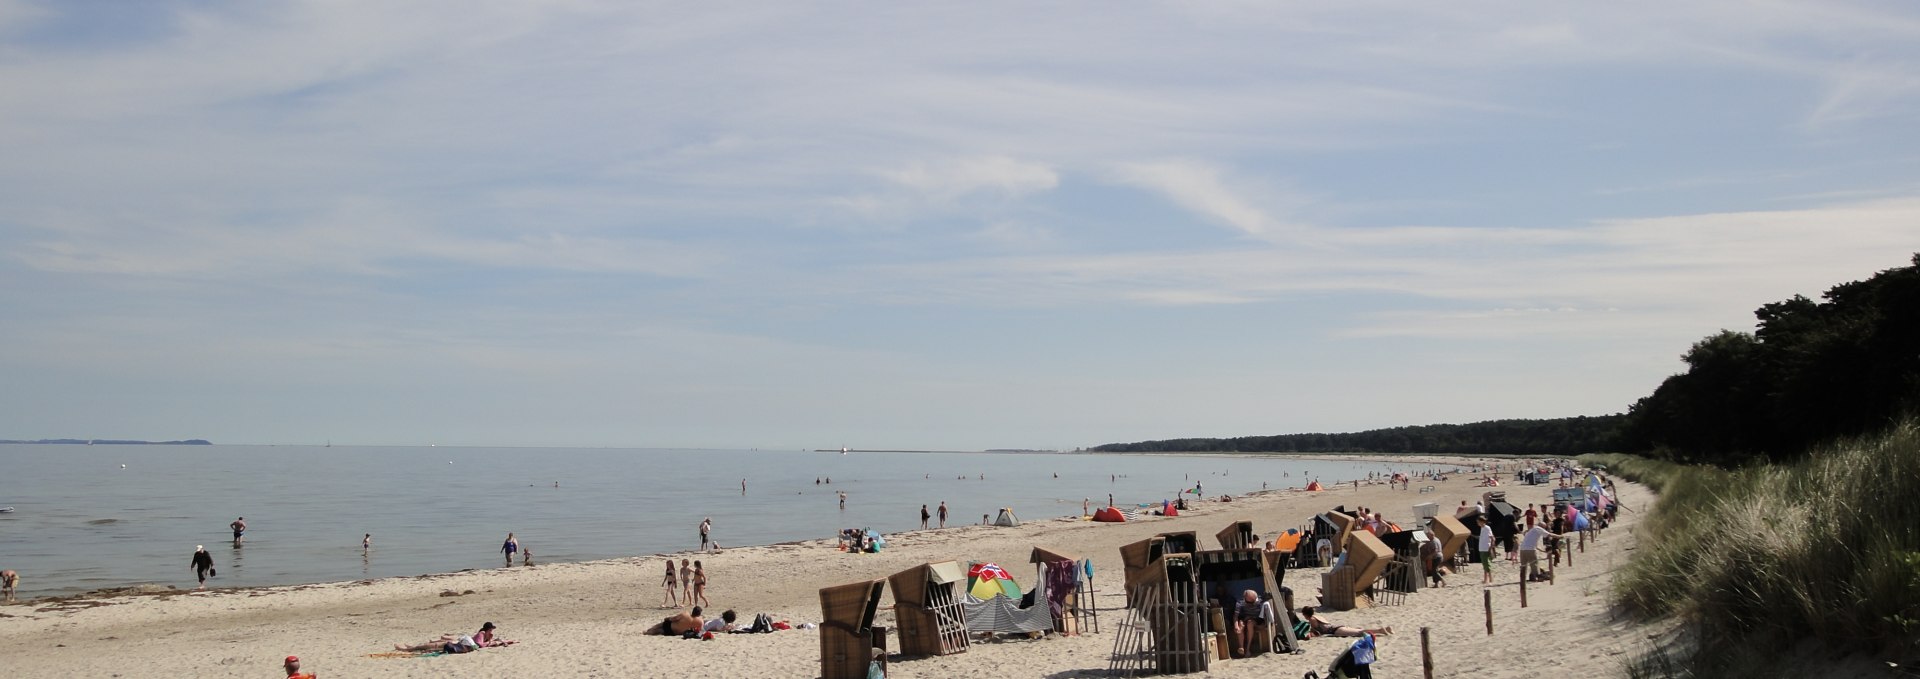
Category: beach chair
<point>929,610</point>
<point>1237,535</point>
<point>1345,587</point>
<point>847,634</point>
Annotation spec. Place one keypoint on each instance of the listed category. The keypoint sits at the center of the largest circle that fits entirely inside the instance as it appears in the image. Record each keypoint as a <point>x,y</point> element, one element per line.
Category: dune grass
<point>1817,558</point>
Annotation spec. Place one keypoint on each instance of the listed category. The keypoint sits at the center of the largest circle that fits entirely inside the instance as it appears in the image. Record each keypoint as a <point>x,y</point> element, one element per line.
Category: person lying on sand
<point>1322,628</point>
<point>458,643</point>
<point>678,624</point>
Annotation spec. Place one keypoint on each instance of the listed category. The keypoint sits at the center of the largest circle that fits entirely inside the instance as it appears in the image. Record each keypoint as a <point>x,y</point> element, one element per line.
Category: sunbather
<point>1321,627</point>
<point>458,643</point>
<point>678,624</point>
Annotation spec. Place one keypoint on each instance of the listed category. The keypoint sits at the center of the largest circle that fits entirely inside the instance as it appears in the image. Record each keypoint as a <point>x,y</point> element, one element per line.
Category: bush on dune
<point>1769,560</point>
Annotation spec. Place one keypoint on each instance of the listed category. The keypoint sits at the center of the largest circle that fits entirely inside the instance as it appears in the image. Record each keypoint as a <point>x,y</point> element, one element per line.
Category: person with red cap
<point>293,669</point>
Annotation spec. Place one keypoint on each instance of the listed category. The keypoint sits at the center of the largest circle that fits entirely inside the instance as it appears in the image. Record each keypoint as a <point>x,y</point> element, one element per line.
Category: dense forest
<point>1564,436</point>
<point>1811,372</point>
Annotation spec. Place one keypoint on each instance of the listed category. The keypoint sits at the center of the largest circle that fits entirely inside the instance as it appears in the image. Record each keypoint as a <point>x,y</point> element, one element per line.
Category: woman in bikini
<point>672,598</point>
<point>699,586</point>
<point>686,581</point>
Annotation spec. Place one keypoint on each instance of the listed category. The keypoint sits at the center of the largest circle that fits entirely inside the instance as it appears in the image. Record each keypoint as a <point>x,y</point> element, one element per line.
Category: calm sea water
<point>82,522</point>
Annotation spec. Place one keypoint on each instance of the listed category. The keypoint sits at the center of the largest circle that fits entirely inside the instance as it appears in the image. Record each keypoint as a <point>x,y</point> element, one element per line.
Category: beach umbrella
<point>985,580</point>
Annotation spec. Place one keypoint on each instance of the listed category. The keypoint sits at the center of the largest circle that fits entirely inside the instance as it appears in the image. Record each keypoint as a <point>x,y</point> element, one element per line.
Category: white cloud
<point>995,174</point>
<point>1200,187</point>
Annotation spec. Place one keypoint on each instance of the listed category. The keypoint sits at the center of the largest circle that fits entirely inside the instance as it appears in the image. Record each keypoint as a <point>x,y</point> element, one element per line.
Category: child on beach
<point>699,586</point>
<point>672,597</point>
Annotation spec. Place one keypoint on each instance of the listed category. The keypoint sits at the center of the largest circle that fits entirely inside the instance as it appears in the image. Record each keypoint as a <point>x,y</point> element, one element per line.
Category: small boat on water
<point>5,510</point>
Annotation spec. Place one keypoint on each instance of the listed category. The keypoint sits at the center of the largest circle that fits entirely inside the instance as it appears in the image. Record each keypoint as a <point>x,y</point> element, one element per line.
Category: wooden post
<point>1569,556</point>
<point>1489,604</point>
<point>1583,542</point>
<point>1523,588</point>
<point>1426,655</point>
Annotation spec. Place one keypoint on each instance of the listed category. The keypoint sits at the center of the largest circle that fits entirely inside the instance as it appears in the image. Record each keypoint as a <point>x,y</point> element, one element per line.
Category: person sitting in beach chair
<point>1251,616</point>
<point>1320,627</point>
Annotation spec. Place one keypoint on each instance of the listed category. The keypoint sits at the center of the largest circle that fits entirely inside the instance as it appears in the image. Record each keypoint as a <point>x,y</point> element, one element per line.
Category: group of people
<point>508,549</point>
<point>690,581</point>
<point>924,516</point>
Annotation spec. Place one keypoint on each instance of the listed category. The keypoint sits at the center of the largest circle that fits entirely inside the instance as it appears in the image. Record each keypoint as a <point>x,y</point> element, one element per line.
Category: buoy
<point>123,466</point>
<point>449,461</point>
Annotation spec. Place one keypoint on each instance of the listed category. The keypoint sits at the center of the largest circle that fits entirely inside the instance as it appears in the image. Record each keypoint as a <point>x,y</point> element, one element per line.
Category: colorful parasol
<point>985,580</point>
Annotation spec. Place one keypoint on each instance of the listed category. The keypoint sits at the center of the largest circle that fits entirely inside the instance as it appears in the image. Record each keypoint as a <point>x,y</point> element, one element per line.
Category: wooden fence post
<point>1489,604</point>
<point>1523,588</point>
<point>1426,655</point>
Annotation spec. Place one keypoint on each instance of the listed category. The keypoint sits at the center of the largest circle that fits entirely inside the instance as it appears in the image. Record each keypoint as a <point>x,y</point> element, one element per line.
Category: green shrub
<point>1754,562</point>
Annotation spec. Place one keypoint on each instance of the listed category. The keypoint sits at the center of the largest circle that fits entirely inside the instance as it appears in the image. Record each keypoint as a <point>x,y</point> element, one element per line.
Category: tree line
<point>1562,436</point>
<point>1811,372</point>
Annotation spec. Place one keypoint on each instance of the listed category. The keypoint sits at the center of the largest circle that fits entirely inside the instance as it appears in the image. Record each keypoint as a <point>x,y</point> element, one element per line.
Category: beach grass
<point>1762,565</point>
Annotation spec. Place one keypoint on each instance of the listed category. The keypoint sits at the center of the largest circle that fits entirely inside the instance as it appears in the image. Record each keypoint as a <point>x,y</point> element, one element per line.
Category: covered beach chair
<point>1136,558</point>
<point>1166,628</point>
<point>1237,535</point>
<point>1225,574</point>
<point>929,609</point>
<point>849,643</point>
<point>1346,585</point>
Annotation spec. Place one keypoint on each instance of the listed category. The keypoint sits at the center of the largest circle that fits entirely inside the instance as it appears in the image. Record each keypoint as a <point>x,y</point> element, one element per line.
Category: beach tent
<point>1315,486</point>
<point>985,581</point>
<point>927,607</point>
<point>846,634</point>
<point>1006,518</point>
<point>1109,515</point>
<point>1287,542</point>
<point>1001,608</point>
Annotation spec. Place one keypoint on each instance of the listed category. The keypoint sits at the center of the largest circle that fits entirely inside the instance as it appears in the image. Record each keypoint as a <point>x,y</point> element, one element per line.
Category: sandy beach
<point>586,619</point>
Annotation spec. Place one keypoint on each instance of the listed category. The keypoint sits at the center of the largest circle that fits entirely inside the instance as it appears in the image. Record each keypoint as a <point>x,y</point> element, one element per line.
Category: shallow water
<point>82,522</point>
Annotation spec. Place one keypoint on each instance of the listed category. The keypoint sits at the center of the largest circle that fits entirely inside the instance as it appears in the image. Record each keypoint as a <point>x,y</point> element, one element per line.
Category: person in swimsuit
<point>239,527</point>
<point>943,514</point>
<point>509,547</point>
<point>9,582</point>
<point>678,624</point>
<point>924,516</point>
<point>686,580</point>
<point>1321,627</point>
<point>699,586</point>
<point>202,564</point>
<point>672,597</point>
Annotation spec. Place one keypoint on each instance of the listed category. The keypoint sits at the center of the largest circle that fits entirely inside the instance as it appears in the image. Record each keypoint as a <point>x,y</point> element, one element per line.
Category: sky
<point>950,226</point>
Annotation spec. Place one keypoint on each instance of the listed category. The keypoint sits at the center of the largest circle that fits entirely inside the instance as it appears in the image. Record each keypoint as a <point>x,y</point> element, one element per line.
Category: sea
<point>94,517</point>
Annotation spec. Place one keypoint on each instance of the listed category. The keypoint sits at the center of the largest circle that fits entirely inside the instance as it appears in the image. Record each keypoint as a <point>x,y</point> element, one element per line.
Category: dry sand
<point>586,619</point>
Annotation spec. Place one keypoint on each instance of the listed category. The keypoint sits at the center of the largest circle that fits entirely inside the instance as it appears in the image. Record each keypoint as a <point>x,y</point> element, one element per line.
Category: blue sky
<point>983,225</point>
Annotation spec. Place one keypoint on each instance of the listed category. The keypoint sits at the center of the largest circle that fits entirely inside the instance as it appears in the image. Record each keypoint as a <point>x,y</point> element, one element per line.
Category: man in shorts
<point>706,528</point>
<point>239,527</point>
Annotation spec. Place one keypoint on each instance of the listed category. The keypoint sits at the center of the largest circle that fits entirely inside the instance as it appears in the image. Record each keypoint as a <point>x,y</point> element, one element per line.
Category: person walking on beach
<point>686,580</point>
<point>9,584</point>
<point>202,564</point>
<point>239,527</point>
<point>672,597</point>
<point>706,528</point>
<point>509,547</point>
<point>924,515</point>
<point>943,514</point>
<point>699,586</point>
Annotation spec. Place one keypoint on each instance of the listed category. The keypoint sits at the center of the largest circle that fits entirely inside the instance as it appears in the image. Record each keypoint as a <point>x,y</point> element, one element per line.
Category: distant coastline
<point>112,442</point>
